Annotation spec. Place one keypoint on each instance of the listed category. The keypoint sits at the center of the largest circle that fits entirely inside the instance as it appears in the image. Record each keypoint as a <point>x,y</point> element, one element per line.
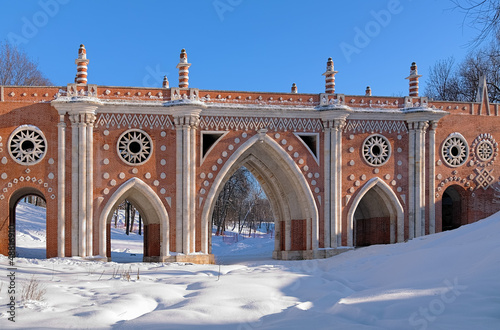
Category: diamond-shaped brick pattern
<point>484,179</point>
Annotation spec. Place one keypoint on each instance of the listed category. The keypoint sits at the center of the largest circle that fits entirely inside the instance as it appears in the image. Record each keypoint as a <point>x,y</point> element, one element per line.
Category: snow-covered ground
<point>449,280</point>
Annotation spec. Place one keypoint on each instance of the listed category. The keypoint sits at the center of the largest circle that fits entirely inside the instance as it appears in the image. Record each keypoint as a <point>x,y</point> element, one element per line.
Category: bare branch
<point>17,69</point>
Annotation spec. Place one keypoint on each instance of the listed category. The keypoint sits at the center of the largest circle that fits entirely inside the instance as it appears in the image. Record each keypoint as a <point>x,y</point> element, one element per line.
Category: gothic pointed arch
<point>390,203</point>
<point>149,205</point>
<point>293,204</point>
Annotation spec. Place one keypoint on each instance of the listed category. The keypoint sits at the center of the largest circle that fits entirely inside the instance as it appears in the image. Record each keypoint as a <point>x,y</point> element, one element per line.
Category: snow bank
<point>443,281</point>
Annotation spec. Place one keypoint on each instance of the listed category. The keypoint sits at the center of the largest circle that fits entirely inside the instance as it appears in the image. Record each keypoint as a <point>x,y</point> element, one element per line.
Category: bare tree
<point>17,69</point>
<point>460,83</point>
<point>443,81</point>
<point>232,195</point>
<point>483,15</point>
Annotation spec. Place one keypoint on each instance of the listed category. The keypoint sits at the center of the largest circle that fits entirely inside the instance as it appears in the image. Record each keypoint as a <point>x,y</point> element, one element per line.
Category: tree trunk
<point>127,217</point>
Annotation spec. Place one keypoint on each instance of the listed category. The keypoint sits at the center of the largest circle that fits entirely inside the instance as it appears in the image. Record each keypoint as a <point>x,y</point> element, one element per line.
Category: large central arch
<point>292,202</point>
<point>149,206</point>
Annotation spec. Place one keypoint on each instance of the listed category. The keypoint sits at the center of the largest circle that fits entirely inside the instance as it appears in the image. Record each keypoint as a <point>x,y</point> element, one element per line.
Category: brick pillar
<point>330,77</point>
<point>183,67</point>
<point>413,80</point>
<point>81,66</point>
<point>368,91</point>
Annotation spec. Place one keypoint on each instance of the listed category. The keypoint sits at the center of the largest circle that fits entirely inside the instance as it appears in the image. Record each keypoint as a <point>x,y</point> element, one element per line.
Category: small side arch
<point>390,200</point>
<point>148,204</point>
<point>15,198</point>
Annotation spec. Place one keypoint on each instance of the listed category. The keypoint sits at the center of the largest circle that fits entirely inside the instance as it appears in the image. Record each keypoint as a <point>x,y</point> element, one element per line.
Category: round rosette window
<point>455,150</point>
<point>484,150</point>
<point>27,145</point>
<point>376,150</point>
<point>134,147</point>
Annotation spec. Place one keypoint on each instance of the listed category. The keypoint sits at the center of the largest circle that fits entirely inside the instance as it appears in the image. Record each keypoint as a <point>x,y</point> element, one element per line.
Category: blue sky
<point>251,45</point>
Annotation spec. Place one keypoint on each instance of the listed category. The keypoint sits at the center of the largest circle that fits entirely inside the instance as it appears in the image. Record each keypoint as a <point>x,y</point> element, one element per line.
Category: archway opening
<point>154,218</point>
<point>291,200</point>
<point>242,221</point>
<point>127,234</point>
<point>372,221</point>
<point>28,215</point>
<point>452,214</point>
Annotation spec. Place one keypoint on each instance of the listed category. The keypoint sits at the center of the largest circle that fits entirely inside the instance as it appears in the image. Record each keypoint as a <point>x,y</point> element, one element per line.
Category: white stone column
<point>61,186</point>
<point>432,174</point>
<point>333,180</point>
<point>420,178</point>
<point>192,186</point>
<point>90,183</point>
<point>186,196</point>
<point>411,180</point>
<point>82,183</point>
<point>179,122</point>
<point>81,115</point>
<point>74,185</point>
<point>328,181</point>
<point>339,126</point>
<point>334,223</point>
<point>186,125</point>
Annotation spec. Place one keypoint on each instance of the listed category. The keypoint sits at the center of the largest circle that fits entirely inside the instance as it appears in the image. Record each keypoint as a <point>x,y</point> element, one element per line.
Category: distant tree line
<point>130,213</point>
<point>241,204</point>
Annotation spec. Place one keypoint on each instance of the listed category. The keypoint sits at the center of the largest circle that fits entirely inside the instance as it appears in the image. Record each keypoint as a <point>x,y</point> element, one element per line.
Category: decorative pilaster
<point>193,123</point>
<point>61,186</point>
<point>417,178</point>
<point>339,126</point>
<point>82,185</point>
<point>82,116</point>
<point>74,184</point>
<point>432,175</point>
<point>186,125</point>
<point>333,182</point>
<point>179,122</point>
<point>328,180</point>
<point>89,120</point>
